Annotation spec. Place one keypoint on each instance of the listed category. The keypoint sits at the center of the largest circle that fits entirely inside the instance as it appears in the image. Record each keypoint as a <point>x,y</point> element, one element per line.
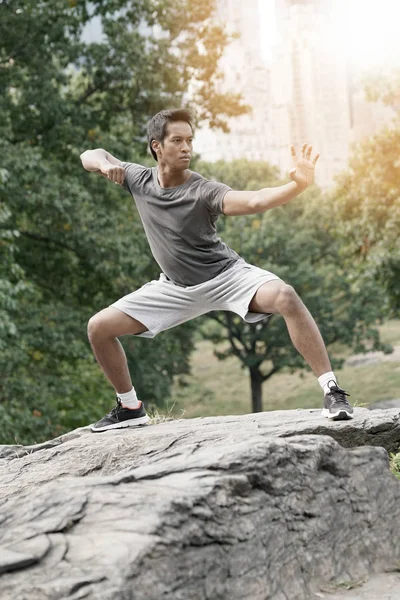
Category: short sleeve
<point>214,193</point>
<point>133,173</point>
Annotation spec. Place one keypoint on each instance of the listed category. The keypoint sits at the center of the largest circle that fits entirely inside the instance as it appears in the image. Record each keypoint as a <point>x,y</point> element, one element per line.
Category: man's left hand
<point>304,166</point>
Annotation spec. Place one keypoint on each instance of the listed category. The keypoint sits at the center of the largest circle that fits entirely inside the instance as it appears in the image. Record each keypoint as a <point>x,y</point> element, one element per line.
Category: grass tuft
<point>395,464</point>
<point>156,417</point>
<point>344,585</point>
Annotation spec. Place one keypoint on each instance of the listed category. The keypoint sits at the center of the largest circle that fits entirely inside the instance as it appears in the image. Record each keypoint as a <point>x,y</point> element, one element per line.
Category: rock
<point>384,586</point>
<point>373,358</point>
<point>383,404</point>
<point>364,360</point>
<point>10,560</point>
<point>265,506</point>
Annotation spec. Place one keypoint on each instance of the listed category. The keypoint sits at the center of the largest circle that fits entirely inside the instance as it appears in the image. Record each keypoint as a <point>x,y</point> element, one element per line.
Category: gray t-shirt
<point>180,224</point>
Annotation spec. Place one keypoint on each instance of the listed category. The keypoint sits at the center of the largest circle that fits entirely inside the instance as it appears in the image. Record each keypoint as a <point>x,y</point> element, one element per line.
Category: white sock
<point>129,399</point>
<point>326,381</point>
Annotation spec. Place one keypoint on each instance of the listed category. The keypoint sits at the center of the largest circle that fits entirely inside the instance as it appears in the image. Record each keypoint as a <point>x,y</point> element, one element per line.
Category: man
<point>179,208</point>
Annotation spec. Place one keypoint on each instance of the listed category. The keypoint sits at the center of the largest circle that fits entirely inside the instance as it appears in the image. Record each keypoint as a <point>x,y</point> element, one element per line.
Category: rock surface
<point>395,403</point>
<point>373,358</point>
<point>258,507</point>
<point>385,586</point>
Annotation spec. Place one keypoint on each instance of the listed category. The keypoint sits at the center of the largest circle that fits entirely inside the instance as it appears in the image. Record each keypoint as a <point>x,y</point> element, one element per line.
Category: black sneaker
<point>336,405</point>
<point>122,417</point>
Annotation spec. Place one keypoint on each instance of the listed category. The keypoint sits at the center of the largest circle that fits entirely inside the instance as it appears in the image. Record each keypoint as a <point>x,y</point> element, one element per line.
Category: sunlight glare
<point>367,31</point>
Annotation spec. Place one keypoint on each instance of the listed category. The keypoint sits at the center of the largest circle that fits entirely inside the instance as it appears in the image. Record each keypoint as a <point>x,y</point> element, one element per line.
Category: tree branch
<point>237,351</point>
<point>90,90</point>
<point>272,372</point>
<point>47,240</point>
<point>233,330</point>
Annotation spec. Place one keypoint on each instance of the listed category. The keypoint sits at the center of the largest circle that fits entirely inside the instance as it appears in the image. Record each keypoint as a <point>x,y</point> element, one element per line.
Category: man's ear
<point>155,145</point>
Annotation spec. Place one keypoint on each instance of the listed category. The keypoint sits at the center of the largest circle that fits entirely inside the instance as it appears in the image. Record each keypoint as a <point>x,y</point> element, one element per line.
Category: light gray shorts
<point>162,304</point>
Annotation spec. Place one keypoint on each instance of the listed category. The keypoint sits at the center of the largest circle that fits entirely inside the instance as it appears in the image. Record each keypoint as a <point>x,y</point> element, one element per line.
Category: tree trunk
<point>256,390</point>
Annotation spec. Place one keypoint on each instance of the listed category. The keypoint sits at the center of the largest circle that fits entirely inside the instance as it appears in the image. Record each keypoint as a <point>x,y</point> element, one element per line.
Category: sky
<point>367,31</point>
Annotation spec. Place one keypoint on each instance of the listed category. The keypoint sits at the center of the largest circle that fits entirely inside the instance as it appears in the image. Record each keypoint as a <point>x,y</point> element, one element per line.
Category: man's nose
<point>186,147</point>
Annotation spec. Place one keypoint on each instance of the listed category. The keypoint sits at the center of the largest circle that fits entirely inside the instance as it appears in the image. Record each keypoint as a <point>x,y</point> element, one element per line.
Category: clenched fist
<point>113,173</point>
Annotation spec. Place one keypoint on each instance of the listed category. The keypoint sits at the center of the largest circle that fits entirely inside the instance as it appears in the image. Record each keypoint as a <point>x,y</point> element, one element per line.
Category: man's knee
<point>97,327</point>
<point>111,323</point>
<point>287,301</point>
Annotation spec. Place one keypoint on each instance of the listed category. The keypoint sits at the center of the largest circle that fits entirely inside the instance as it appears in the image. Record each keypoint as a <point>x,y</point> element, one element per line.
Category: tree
<point>366,214</point>
<point>296,243</point>
<point>367,198</point>
<point>72,243</point>
<point>63,94</point>
<point>384,86</point>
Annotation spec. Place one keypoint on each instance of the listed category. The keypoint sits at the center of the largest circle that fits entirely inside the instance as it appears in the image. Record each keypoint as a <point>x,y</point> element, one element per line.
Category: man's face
<point>176,149</point>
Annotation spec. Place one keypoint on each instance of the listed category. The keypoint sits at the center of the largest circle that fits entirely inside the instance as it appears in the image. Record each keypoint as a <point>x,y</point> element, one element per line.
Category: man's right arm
<point>102,162</point>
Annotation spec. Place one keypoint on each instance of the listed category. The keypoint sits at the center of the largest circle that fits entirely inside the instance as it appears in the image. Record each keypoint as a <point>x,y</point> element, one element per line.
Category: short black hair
<point>157,127</point>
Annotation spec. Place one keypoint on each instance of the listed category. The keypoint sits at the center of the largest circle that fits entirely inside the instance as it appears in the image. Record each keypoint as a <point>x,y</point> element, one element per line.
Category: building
<point>310,87</point>
<point>303,96</point>
<point>246,73</point>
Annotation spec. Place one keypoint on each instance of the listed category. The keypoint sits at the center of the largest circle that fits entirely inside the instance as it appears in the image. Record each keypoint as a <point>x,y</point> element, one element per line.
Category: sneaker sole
<point>340,415</point>
<point>128,423</point>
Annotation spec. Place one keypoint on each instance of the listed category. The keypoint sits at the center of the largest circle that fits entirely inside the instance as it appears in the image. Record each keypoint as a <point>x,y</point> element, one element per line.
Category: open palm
<point>304,166</point>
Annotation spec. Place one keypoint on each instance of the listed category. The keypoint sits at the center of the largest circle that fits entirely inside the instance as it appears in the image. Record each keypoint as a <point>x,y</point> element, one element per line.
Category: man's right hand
<point>102,162</point>
<point>113,172</point>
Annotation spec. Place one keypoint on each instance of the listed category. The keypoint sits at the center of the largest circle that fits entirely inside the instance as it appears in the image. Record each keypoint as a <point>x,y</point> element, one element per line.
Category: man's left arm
<point>249,202</point>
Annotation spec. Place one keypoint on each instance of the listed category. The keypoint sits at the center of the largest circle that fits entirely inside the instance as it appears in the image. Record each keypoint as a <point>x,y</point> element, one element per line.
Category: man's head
<point>170,137</point>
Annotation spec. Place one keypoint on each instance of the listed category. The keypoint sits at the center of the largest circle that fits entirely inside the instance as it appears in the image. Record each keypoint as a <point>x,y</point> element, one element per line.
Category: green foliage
<point>367,199</point>
<point>384,85</point>
<point>295,243</point>
<point>64,94</point>
<point>367,214</point>
<point>241,174</point>
<point>70,242</point>
<point>395,464</point>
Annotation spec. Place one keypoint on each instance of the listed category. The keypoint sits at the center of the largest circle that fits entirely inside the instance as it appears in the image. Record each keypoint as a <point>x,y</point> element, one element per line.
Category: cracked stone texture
<point>384,586</point>
<point>255,507</point>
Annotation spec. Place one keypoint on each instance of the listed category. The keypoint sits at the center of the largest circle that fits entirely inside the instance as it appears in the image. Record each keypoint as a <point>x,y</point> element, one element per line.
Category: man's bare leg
<point>277,297</point>
<point>103,330</point>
